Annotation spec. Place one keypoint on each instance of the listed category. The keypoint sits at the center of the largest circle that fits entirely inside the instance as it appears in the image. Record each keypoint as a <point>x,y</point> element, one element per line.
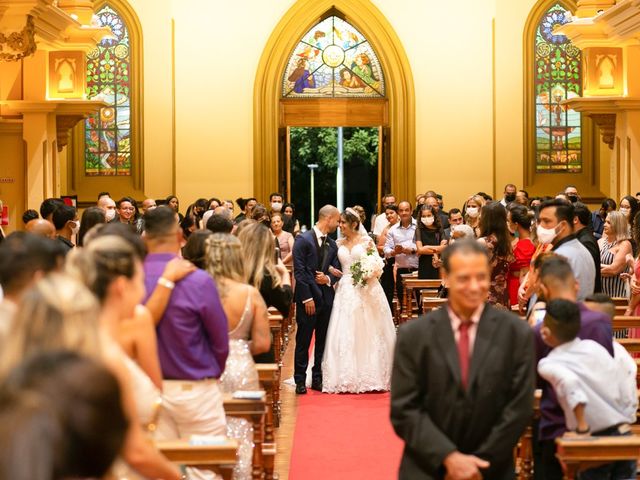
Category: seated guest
<point>555,227</point>
<point>66,223</point>
<point>62,417</point>
<point>519,224</point>
<point>582,228</point>
<point>60,313</point>
<point>597,392</point>
<point>599,216</point>
<point>557,281</point>
<point>614,245</point>
<point>284,239</point>
<point>193,342</point>
<point>41,227</point>
<point>91,217</point>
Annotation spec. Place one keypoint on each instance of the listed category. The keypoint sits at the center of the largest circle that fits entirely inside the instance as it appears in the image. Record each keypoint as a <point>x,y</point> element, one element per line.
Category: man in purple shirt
<point>193,340</point>
<point>557,281</point>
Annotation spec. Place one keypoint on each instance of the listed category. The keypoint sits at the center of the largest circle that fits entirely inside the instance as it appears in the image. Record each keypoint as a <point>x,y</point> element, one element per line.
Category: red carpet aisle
<point>344,437</point>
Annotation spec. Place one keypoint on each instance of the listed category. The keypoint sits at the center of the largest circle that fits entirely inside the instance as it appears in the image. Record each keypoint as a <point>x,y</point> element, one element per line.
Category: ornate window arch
<point>560,144</point>
<point>108,146</point>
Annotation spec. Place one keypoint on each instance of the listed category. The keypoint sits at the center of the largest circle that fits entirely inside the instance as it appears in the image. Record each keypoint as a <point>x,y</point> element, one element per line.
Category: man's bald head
<point>107,203</point>
<point>41,227</point>
<point>222,211</point>
<point>328,211</point>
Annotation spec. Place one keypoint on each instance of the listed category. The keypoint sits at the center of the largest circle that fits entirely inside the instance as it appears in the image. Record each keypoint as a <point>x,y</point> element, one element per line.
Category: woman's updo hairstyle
<point>520,215</point>
<point>352,218</point>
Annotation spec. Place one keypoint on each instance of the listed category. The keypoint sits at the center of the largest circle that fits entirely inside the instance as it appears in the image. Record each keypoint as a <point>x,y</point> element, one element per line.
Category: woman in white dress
<point>358,354</point>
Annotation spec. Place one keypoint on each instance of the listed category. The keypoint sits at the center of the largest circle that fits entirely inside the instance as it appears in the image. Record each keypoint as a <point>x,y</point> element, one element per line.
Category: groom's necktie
<point>323,251</point>
<point>463,352</point>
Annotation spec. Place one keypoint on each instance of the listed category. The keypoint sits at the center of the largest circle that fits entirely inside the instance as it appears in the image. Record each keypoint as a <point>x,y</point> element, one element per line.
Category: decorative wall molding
<point>18,45</point>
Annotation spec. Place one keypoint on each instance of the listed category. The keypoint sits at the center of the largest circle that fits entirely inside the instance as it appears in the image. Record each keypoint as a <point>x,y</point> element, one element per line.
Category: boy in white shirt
<point>597,392</point>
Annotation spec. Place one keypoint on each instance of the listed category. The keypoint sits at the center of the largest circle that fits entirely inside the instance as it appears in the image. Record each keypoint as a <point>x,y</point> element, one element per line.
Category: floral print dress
<point>498,290</point>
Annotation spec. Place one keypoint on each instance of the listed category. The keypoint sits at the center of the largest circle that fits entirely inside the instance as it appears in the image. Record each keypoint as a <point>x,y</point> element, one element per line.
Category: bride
<point>359,347</point>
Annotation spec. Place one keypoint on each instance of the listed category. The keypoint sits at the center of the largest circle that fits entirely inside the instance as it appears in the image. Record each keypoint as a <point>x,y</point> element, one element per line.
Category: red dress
<point>522,252</point>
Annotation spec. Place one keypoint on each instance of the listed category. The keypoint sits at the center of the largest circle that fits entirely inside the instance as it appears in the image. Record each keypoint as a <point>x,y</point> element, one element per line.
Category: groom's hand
<point>322,278</point>
<point>310,308</point>
<point>464,467</point>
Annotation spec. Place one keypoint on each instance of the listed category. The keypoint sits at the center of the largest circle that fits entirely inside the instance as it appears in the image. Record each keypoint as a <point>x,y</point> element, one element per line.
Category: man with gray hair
<point>314,253</point>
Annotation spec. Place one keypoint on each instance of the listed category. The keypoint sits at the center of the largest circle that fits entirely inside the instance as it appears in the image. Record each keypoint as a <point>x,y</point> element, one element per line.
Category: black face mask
<point>572,198</point>
<point>510,197</point>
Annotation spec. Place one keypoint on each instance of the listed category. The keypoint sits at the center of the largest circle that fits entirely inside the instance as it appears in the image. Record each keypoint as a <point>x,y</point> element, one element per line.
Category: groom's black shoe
<point>316,385</point>
<point>301,389</point>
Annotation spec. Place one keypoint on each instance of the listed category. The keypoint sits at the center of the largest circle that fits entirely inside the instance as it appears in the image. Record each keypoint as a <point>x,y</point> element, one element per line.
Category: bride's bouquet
<point>369,266</point>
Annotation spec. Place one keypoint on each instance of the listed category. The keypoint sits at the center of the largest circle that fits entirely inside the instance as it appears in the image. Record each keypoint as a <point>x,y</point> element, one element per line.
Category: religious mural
<point>333,60</point>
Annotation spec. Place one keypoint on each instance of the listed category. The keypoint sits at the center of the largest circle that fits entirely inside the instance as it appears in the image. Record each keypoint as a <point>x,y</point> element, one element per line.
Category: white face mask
<point>110,214</point>
<point>276,206</point>
<point>473,212</point>
<point>625,211</point>
<point>427,221</point>
<point>546,235</point>
<point>75,228</point>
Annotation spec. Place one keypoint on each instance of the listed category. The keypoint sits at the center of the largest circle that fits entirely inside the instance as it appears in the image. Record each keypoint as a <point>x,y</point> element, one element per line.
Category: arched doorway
<point>273,114</point>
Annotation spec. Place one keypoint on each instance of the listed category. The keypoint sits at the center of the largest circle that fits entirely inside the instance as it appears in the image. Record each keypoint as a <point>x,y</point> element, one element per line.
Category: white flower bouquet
<point>368,267</point>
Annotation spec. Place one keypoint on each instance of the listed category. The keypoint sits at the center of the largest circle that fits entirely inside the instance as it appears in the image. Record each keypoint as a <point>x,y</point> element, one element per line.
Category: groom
<point>314,252</point>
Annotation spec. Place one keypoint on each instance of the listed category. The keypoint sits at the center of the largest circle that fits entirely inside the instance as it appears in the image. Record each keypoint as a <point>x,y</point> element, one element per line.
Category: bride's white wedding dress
<point>358,354</point>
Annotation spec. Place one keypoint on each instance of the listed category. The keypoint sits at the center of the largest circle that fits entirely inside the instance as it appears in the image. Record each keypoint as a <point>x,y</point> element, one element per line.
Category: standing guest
<point>291,223</point>
<point>260,214</point>
<point>494,233</point>
<point>557,281</point>
<point>148,204</point>
<point>229,205</point>
<point>193,342</point>
<point>638,196</point>
<point>463,379</point>
<point>455,218</point>
<point>555,227</point>
<point>614,245</point>
<point>582,228</point>
<point>126,209</point>
<point>634,277</point>
<point>91,217</point>
<point>629,207</point>
<point>195,250</point>
<point>433,202</point>
<point>65,220</point>
<point>48,206</point>
<point>41,227</point>
<point>429,236</point>
<point>597,392</point>
<point>401,246</point>
<point>510,191</point>
<point>572,193</point>
<point>598,217</point>
<point>379,222</point>
<point>246,205</point>
<point>219,223</point>
<point>522,198</point>
<point>387,280</point>
<point>214,203</point>
<point>420,199</point>
<point>29,215</point>
<point>441,204</point>
<point>284,239</point>
<point>535,202</point>
<point>108,205</point>
<point>519,223</point>
<point>172,202</point>
<point>471,211</point>
<point>276,202</point>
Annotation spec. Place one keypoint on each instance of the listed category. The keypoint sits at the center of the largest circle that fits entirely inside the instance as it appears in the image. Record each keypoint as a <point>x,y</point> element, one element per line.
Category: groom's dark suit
<point>311,254</point>
<point>435,415</point>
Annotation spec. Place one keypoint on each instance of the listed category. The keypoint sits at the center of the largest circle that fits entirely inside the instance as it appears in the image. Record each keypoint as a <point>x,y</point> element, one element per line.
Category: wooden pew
<point>524,450</point>
<point>577,454</point>
<point>620,301</point>
<point>621,322</point>
<point>631,345</point>
<point>218,458</point>
<point>254,411</point>
<point>429,304</point>
<point>269,375</point>
<point>275,324</point>
<point>412,283</point>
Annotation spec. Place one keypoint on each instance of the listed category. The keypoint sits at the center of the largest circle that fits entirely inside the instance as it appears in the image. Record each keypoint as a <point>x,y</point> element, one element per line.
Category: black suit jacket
<point>305,264</point>
<point>435,416</point>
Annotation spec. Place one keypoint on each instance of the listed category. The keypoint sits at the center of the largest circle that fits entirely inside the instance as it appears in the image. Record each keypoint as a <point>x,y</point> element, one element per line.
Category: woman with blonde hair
<point>61,313</point>
<point>472,210</point>
<point>615,245</point>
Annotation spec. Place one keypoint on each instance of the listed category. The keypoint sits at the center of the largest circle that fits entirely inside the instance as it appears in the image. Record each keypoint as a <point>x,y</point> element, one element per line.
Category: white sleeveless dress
<point>358,354</point>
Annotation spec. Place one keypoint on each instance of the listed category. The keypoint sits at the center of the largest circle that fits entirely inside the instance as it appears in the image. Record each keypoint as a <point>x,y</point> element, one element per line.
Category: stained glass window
<point>333,59</point>
<point>558,77</point>
<point>108,132</point>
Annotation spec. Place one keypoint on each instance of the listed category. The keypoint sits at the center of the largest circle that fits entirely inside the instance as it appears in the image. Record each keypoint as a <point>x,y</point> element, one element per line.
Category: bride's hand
<point>335,272</point>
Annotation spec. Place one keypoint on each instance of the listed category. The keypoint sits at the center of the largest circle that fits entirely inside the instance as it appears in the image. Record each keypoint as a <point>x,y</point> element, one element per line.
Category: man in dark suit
<point>315,255</point>
<point>584,234</point>
<point>463,379</point>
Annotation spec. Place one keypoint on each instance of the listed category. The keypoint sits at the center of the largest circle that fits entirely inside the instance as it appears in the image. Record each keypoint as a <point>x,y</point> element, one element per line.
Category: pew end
<point>219,458</point>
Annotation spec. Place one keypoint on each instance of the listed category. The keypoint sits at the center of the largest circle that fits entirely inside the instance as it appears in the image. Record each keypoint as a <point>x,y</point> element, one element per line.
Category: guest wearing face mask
<point>65,219</point>
<point>276,202</point>
<point>572,193</point>
<point>472,212</point>
<point>108,205</point>
<point>555,226</point>
<point>510,191</point>
<point>629,206</point>
<point>428,238</point>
